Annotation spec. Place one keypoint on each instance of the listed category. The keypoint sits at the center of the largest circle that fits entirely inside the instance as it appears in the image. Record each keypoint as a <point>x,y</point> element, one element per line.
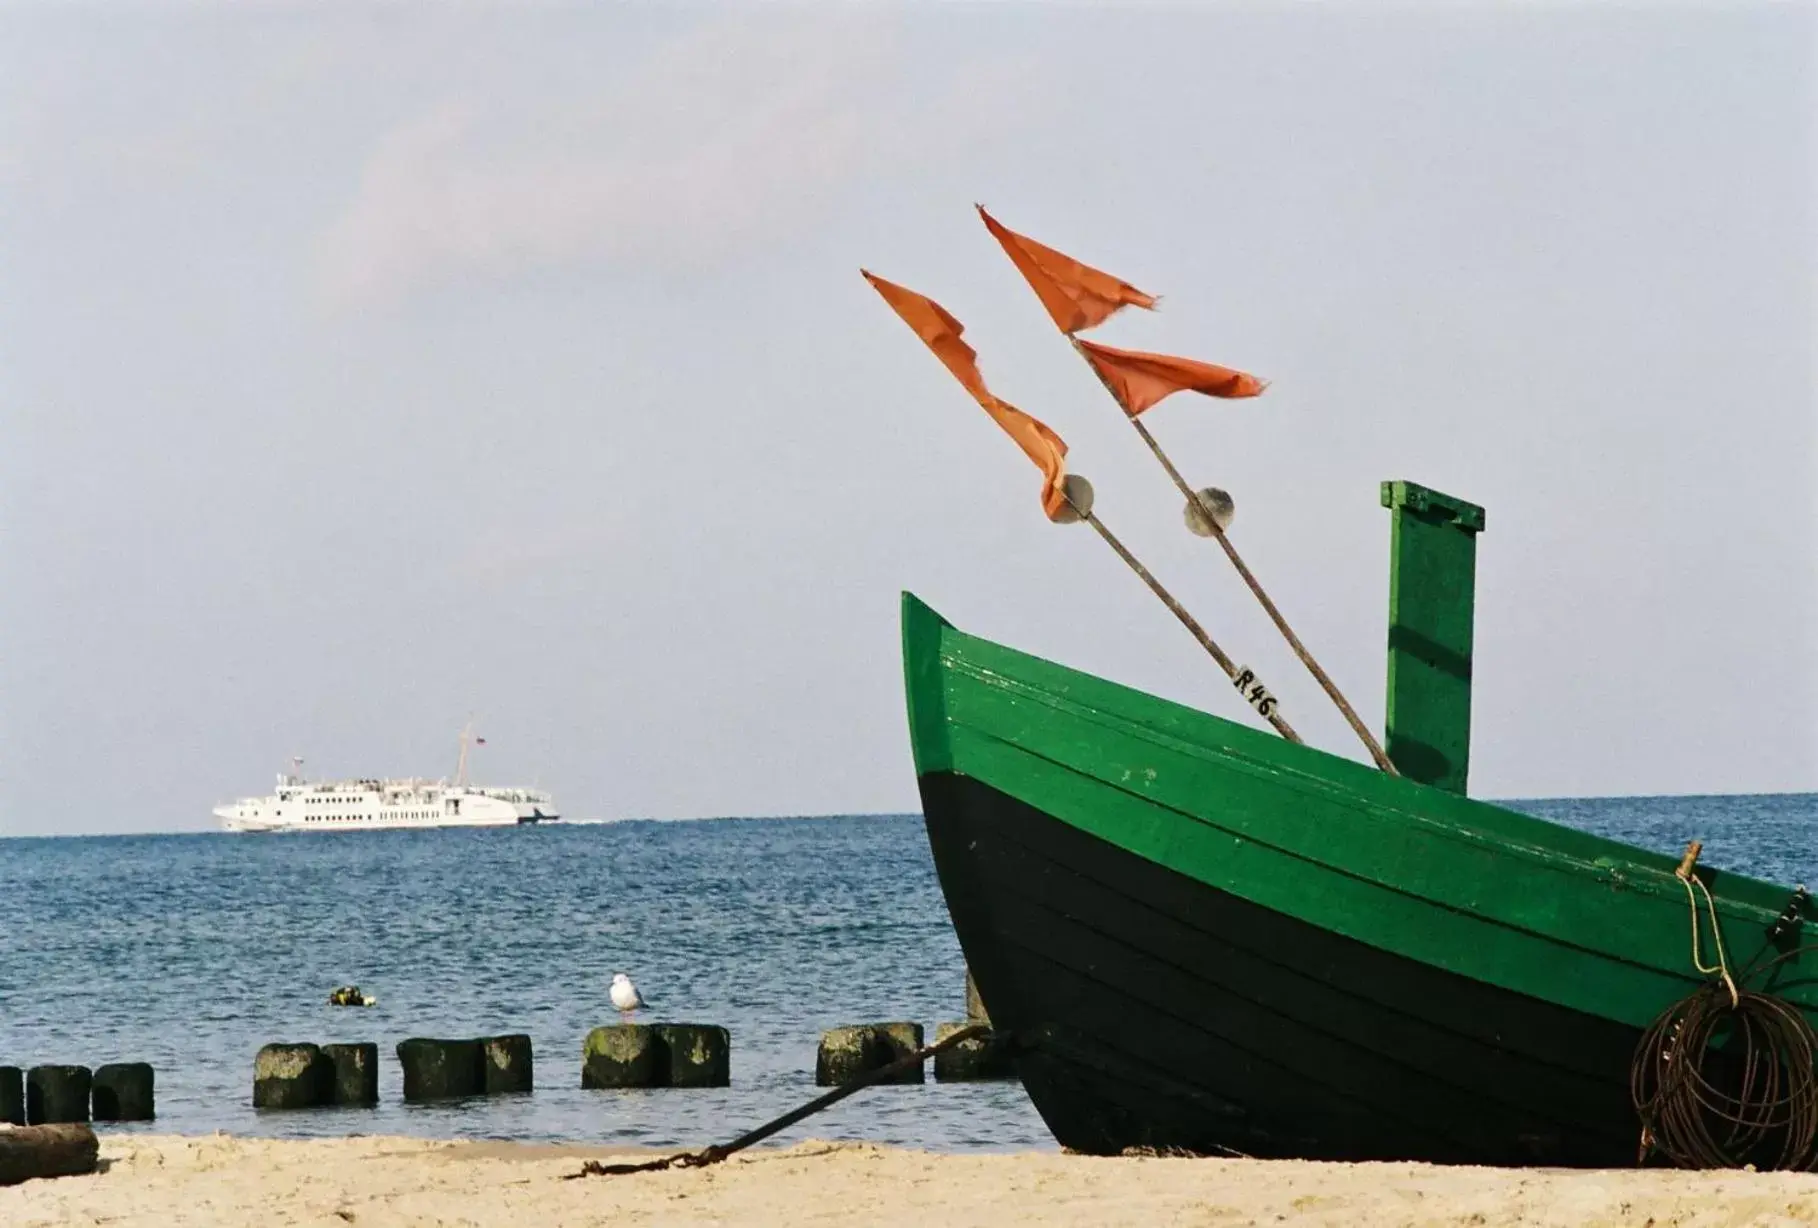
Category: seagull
<point>625,995</point>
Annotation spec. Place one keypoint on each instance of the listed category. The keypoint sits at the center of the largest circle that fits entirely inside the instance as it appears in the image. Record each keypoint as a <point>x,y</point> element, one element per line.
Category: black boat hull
<point>1153,1011</point>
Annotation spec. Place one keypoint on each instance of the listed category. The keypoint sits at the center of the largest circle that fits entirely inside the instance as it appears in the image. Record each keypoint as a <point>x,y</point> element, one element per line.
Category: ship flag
<point>1138,380</point>
<point>1076,295</point>
<point>1079,297</point>
<point>942,333</point>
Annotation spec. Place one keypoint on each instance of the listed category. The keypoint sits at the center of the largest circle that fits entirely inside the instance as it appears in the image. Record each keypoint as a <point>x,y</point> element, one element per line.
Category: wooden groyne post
<point>356,1069</point>
<point>12,1096</point>
<point>123,1091</point>
<point>1432,603</point>
<point>292,1076</point>
<point>57,1094</point>
<point>657,1055</point>
<point>850,1052</point>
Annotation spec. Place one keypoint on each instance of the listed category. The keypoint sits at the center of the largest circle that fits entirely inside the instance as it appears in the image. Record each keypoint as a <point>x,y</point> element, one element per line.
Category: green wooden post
<point>1432,585</point>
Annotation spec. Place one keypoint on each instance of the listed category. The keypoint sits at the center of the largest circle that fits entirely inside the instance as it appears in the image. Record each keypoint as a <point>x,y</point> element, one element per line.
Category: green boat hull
<point>1205,937</point>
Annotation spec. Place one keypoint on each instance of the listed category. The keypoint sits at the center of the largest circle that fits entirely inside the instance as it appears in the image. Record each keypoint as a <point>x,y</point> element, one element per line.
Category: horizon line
<point>866,814</point>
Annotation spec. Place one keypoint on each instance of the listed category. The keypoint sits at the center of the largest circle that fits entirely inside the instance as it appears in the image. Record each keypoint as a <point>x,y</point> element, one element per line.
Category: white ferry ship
<point>365,805</point>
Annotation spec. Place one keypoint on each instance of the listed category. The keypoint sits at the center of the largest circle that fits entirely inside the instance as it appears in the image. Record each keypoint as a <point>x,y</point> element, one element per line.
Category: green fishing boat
<point>1202,936</point>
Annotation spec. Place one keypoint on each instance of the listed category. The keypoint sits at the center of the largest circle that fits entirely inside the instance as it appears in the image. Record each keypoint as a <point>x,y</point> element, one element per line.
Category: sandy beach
<point>392,1182</point>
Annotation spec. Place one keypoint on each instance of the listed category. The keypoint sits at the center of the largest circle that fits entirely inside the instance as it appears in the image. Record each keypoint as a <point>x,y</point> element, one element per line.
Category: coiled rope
<point>1725,1077</point>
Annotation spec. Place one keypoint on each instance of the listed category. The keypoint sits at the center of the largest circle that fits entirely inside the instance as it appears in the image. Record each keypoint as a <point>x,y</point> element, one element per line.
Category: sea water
<point>192,951</point>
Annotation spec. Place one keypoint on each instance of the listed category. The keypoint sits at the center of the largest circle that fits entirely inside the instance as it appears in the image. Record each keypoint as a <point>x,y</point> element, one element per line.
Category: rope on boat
<point>1722,967</point>
<point>719,1151</point>
<point>1725,1077</point>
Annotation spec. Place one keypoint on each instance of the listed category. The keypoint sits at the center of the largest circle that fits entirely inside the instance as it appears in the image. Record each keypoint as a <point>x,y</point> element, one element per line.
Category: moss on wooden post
<point>505,1064</point>
<point>695,1055</point>
<point>287,1076</point>
<point>1432,592</point>
<point>621,1055</point>
<point>845,1053</point>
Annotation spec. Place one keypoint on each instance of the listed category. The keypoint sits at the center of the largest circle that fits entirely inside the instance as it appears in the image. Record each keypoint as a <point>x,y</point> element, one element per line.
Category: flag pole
<point>1242,679</point>
<point>1281,624</point>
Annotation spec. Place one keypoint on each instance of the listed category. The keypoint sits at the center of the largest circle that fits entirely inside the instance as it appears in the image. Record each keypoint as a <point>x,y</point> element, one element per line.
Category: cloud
<point>719,139</point>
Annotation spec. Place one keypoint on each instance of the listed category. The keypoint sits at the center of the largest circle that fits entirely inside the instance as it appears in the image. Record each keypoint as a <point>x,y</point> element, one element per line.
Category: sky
<point>368,366</point>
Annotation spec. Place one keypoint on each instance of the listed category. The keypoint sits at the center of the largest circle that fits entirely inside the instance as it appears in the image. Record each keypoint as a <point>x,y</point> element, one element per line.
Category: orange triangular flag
<point>1076,295</point>
<point>941,332</point>
<point>1139,380</point>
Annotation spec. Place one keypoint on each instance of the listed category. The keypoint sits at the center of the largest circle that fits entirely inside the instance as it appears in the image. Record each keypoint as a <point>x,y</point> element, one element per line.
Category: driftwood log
<point>46,1151</point>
